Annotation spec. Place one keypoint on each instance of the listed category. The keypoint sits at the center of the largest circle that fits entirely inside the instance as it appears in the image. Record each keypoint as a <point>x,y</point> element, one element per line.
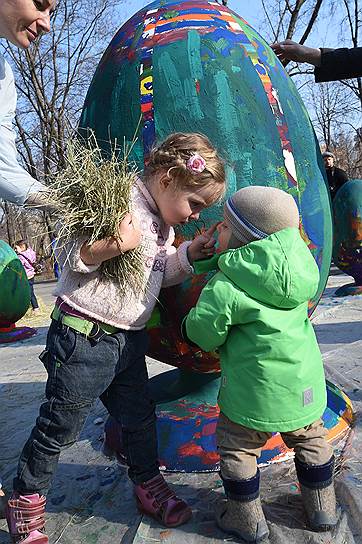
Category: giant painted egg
<point>197,66</point>
<point>14,287</point>
<point>347,246</point>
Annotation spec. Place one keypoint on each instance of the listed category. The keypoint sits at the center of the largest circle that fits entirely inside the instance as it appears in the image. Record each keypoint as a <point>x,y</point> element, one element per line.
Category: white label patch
<point>308,396</point>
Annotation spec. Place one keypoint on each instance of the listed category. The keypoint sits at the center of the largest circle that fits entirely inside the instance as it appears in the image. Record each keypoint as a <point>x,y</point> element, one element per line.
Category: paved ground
<point>91,500</point>
<point>44,290</point>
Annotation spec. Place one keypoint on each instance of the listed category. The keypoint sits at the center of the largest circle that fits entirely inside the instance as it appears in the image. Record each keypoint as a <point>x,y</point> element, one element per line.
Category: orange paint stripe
<point>189,17</point>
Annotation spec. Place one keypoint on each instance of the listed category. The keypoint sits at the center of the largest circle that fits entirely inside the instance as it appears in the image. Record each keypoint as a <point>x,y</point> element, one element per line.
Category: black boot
<point>318,496</point>
<point>241,514</point>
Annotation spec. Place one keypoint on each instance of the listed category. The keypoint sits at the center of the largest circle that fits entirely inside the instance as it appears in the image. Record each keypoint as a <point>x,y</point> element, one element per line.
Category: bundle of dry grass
<point>92,196</point>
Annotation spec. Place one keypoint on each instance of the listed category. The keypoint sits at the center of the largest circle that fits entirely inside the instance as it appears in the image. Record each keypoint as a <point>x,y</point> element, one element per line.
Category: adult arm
<point>16,184</point>
<point>339,64</point>
<point>330,64</point>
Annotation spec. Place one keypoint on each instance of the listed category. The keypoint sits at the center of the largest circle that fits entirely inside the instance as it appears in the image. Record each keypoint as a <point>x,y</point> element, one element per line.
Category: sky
<point>326,32</point>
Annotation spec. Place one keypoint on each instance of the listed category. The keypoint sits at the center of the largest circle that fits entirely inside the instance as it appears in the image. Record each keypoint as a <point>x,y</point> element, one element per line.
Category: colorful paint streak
<point>186,432</point>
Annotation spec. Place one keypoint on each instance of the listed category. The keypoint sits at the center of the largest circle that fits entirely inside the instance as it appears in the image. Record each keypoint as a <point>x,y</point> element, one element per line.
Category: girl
<point>27,257</point>
<point>97,341</point>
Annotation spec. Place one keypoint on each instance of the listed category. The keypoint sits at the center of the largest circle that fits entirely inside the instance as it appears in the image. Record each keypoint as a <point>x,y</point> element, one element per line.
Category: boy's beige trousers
<point>239,446</point>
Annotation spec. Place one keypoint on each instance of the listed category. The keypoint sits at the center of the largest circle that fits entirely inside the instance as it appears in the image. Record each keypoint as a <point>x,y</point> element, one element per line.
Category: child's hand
<point>129,234</point>
<point>202,246</point>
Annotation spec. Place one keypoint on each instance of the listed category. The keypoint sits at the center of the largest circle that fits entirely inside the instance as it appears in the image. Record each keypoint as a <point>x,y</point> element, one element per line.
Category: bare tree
<point>287,18</point>
<point>52,78</point>
<point>334,112</point>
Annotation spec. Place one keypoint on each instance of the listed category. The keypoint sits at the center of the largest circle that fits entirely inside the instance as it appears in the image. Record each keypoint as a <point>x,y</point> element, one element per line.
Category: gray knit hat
<point>328,154</point>
<point>255,212</point>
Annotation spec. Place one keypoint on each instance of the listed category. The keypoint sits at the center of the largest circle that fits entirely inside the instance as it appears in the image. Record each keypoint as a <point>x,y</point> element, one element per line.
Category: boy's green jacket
<point>254,310</point>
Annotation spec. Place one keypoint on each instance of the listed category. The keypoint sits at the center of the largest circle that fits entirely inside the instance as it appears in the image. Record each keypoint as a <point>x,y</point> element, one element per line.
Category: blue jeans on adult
<point>80,370</point>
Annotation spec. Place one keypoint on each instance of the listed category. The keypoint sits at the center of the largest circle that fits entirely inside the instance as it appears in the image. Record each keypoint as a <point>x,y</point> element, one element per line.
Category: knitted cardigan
<point>82,287</point>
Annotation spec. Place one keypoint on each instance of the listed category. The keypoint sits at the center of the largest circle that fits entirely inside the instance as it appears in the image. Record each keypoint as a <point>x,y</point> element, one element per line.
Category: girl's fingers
<point>208,251</point>
<point>210,243</point>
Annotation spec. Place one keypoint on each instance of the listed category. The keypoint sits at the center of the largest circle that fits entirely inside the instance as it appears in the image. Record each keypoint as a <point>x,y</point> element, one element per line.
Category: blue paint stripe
<point>146,98</point>
<point>191,24</point>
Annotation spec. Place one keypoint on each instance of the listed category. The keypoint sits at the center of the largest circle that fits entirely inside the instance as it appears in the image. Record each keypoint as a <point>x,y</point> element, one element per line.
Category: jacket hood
<point>278,270</point>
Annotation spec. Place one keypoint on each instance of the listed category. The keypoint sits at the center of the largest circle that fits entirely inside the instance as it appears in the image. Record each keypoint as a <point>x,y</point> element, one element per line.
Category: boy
<point>254,310</point>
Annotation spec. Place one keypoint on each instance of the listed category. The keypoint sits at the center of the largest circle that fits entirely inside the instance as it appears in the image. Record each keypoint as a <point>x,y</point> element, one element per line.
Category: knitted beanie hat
<point>328,154</point>
<point>254,212</point>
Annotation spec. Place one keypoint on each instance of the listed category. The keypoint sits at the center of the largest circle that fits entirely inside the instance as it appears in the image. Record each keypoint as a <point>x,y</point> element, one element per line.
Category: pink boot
<point>156,499</point>
<point>25,517</point>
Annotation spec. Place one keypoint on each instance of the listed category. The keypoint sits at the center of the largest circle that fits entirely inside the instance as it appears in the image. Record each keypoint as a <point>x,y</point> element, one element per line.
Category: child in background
<point>27,257</point>
<point>254,310</point>
<point>97,341</point>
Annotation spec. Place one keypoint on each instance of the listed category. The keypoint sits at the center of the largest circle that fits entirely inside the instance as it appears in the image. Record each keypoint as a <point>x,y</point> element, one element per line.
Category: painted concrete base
<point>15,334</point>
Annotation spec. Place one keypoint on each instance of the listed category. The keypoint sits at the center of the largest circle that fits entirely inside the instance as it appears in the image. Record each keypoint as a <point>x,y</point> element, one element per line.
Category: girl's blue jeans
<point>79,371</point>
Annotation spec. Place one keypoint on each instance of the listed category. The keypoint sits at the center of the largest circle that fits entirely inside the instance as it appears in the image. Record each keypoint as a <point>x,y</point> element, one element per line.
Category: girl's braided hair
<point>173,156</point>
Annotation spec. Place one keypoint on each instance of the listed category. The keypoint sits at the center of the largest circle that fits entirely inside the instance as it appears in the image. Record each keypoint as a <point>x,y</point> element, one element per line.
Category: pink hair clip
<point>196,163</point>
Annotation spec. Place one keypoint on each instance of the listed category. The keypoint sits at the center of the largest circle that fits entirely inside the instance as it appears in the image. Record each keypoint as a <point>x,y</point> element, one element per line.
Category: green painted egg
<point>197,66</point>
<point>14,287</point>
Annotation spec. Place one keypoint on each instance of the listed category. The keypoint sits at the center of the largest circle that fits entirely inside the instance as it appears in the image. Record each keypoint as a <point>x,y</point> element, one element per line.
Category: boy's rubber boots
<point>318,495</point>
<point>241,514</point>
<point>156,499</point>
<point>25,517</point>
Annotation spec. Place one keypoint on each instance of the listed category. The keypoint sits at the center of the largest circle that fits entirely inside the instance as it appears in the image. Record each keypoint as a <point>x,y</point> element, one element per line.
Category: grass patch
<point>36,319</point>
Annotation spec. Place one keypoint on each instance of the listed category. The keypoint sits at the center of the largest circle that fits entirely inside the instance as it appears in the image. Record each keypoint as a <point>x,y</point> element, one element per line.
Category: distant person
<point>27,257</point>
<point>330,64</point>
<point>336,176</point>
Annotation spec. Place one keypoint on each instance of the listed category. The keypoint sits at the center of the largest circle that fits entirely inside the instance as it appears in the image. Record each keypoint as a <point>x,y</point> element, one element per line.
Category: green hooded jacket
<point>254,310</point>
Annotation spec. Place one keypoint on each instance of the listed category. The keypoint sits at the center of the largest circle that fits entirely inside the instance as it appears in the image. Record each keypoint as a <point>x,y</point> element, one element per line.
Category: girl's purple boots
<point>156,499</point>
<point>25,513</point>
<point>25,517</point>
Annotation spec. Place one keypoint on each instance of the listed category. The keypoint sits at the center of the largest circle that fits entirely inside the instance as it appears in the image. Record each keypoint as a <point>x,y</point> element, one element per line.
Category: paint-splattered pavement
<point>91,500</point>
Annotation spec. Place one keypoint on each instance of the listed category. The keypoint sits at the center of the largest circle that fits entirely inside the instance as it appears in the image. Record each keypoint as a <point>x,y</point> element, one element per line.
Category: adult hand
<point>289,50</point>
<point>202,246</point>
<point>128,233</point>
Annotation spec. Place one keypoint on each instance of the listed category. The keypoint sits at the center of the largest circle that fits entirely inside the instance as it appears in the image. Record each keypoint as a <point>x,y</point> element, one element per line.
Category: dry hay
<point>92,196</point>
